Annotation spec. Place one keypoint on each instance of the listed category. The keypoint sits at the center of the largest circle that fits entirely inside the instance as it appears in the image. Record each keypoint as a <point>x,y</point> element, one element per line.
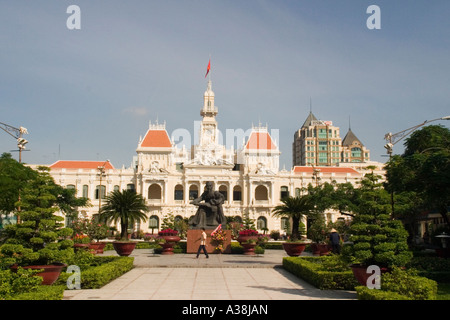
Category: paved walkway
<point>221,277</point>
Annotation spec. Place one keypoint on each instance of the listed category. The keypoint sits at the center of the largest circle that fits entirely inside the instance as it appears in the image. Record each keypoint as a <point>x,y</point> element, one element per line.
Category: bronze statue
<point>210,212</point>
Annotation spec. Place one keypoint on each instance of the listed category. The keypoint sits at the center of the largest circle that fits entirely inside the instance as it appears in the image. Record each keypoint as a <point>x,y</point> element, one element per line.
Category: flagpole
<point>210,68</point>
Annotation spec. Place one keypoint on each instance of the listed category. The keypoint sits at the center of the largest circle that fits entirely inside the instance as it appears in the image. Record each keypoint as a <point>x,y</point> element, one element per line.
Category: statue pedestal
<point>193,241</point>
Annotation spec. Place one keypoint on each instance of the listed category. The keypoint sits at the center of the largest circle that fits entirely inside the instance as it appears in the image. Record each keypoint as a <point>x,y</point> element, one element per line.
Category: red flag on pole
<point>219,227</point>
<point>208,68</point>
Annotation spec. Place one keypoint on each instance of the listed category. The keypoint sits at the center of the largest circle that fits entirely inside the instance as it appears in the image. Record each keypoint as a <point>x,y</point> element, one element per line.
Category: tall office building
<point>318,143</point>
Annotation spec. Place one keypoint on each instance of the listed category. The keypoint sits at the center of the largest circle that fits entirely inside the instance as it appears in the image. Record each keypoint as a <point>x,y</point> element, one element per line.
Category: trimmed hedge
<point>365,293</point>
<point>400,285</point>
<point>435,268</point>
<point>312,270</point>
<point>98,276</point>
<point>42,293</point>
<point>273,245</point>
<point>409,284</point>
<point>25,285</point>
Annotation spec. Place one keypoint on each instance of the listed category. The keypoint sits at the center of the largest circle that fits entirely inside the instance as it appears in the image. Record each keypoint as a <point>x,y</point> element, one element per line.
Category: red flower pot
<point>49,274</point>
<point>249,248</point>
<point>242,239</point>
<point>97,246</point>
<point>294,249</point>
<point>361,275</point>
<point>168,245</point>
<point>124,248</point>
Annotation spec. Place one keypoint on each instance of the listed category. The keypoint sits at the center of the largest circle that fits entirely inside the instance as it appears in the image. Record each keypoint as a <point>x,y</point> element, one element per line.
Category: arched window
<point>154,192</point>
<point>178,192</point>
<point>131,186</point>
<point>85,191</point>
<point>224,191</point>
<point>261,223</point>
<point>103,194</point>
<point>116,188</point>
<point>285,224</point>
<point>284,193</point>
<point>153,222</point>
<point>238,219</point>
<point>261,193</point>
<point>298,192</point>
<point>193,192</point>
<point>237,193</point>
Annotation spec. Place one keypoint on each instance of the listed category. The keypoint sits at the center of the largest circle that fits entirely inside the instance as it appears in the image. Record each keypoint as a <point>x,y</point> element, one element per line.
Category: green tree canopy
<point>14,176</point>
<point>295,208</point>
<point>126,207</point>
<point>424,169</point>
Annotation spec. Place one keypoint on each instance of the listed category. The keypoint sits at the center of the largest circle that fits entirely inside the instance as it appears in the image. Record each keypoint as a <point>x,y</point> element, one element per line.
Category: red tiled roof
<point>309,169</point>
<point>260,141</point>
<point>64,164</point>
<point>156,139</point>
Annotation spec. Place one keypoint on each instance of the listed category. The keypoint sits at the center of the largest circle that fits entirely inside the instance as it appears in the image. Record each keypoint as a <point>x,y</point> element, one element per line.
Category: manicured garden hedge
<point>109,268</point>
<point>314,271</point>
<point>435,268</point>
<point>54,292</point>
<point>24,285</point>
<point>400,285</point>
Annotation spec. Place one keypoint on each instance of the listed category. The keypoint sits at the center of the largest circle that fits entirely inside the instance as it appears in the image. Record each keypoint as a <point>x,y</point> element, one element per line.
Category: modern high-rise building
<point>318,143</point>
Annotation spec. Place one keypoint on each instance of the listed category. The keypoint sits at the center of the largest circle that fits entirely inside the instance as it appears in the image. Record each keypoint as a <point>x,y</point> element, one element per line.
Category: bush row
<point>25,285</point>
<point>98,276</point>
<point>54,292</point>
<point>435,268</point>
<point>400,285</point>
<point>312,270</point>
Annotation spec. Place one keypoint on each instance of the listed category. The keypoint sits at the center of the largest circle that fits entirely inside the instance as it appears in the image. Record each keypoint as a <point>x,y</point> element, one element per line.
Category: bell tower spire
<point>208,110</point>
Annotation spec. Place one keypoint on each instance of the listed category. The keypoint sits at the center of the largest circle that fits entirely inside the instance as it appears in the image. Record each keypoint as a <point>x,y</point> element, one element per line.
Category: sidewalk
<point>221,277</point>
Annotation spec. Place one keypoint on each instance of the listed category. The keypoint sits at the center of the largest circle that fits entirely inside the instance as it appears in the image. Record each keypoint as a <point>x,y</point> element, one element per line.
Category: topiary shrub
<point>40,237</point>
<point>376,238</point>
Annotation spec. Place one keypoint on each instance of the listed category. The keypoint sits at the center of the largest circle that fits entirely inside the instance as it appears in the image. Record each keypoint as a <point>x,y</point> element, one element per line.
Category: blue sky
<point>89,94</point>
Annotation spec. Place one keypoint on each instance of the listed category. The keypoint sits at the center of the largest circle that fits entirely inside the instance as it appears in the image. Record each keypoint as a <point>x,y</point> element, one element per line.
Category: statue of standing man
<point>210,212</point>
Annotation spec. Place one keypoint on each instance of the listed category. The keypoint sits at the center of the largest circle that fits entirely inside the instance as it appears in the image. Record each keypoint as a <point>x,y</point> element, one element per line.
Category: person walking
<point>335,241</point>
<point>202,244</point>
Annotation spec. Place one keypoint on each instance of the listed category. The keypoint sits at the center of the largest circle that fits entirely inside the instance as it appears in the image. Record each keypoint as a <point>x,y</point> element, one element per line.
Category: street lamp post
<point>101,173</point>
<point>16,133</point>
<point>392,139</point>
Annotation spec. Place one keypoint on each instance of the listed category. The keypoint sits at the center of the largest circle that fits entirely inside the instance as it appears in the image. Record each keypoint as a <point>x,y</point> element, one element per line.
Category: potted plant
<point>375,238</point>
<point>295,208</point>
<point>246,235</point>
<point>97,231</point>
<point>249,246</point>
<point>39,241</point>
<point>127,208</point>
<point>170,238</point>
<point>318,234</point>
<point>81,241</point>
<point>219,237</point>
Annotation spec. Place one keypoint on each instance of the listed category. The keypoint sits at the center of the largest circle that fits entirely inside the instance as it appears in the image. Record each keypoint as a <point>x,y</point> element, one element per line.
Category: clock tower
<point>208,127</point>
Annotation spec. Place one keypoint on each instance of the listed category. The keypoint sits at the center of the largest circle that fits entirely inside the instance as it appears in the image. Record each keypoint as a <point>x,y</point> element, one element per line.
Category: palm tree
<point>125,206</point>
<point>295,208</point>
